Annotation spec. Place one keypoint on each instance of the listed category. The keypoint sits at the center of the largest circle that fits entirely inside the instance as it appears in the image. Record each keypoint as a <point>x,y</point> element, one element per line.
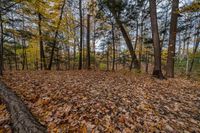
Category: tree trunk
<point>157,72</point>
<point>187,52</point>
<point>56,35</point>
<point>68,57</point>
<point>172,40</point>
<point>23,55</point>
<point>15,45</point>
<point>81,36</point>
<point>88,42</point>
<point>129,44</point>
<point>165,30</point>
<point>57,60</point>
<point>125,35</point>
<point>179,47</point>
<point>94,39</point>
<point>42,56</point>
<point>10,63</point>
<point>187,60</point>
<point>107,58</point>
<point>183,55</point>
<point>147,62</point>
<point>74,53</point>
<point>141,43</point>
<point>136,38</point>
<point>113,41</point>
<point>196,45</point>
<point>1,46</point>
<point>21,119</point>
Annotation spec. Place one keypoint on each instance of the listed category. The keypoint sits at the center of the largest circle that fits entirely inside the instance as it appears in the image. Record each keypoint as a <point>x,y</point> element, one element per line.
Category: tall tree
<point>113,42</point>
<point>42,55</point>
<point>196,45</point>
<point>81,37</point>
<point>1,45</point>
<point>56,35</point>
<point>115,8</point>
<point>157,72</point>
<point>172,39</point>
<point>88,42</point>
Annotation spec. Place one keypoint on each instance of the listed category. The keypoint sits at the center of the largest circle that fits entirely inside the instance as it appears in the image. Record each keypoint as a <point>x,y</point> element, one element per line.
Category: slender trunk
<point>23,51</point>
<point>68,58</point>
<point>125,35</point>
<point>147,62</point>
<point>56,35</point>
<point>187,61</point>
<point>25,62</point>
<point>10,63</point>
<point>136,38</point>
<point>184,43</point>
<point>157,72</point>
<point>42,55</point>
<point>23,55</point>
<point>88,42</point>
<point>84,48</point>
<point>94,39</point>
<point>26,58</point>
<point>107,58</point>
<point>165,30</point>
<point>129,45</point>
<point>141,43</point>
<point>57,60</point>
<point>81,36</point>
<point>196,45</point>
<point>113,41</point>
<point>1,46</point>
<point>172,40</point>
<point>187,52</point>
<point>74,52</point>
<point>15,45</point>
<point>15,49</point>
<point>179,47</point>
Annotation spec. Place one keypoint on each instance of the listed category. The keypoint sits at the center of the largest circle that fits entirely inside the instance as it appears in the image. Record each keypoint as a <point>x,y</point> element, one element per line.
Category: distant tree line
<point>144,35</point>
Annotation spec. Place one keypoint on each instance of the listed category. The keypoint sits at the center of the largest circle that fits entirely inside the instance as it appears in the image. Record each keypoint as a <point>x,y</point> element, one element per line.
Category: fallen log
<point>22,121</point>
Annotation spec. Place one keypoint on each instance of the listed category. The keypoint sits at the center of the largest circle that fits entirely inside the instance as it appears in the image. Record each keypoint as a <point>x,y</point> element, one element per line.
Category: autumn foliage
<point>89,101</point>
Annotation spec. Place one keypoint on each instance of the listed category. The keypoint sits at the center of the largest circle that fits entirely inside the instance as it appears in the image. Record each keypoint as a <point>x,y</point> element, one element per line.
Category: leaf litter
<point>96,101</point>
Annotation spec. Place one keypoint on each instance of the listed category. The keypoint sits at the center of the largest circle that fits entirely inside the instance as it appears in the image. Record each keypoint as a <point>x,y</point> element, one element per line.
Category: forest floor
<point>96,101</point>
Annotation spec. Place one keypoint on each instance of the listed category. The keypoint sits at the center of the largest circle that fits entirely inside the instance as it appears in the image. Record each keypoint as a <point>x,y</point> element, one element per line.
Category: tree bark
<point>157,72</point>
<point>172,40</point>
<point>21,119</point>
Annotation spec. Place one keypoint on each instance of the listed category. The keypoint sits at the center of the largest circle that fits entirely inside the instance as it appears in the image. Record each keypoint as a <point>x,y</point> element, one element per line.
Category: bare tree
<point>172,39</point>
<point>81,34</point>
<point>157,72</point>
